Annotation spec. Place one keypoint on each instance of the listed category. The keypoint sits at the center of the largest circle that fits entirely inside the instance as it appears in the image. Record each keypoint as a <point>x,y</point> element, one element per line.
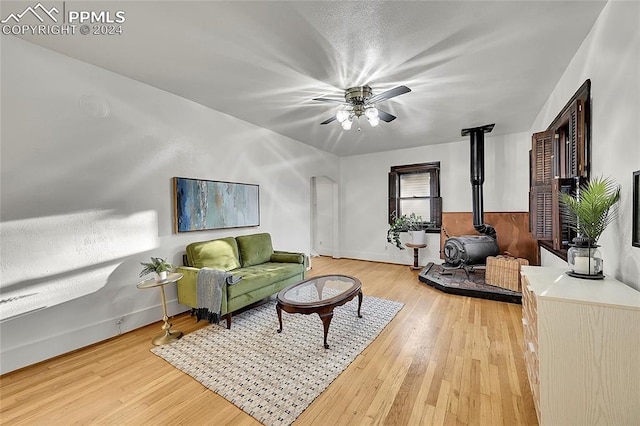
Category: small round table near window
<point>416,248</point>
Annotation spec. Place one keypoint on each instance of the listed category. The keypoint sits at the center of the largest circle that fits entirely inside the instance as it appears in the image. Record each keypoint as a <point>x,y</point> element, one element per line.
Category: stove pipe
<point>477,177</point>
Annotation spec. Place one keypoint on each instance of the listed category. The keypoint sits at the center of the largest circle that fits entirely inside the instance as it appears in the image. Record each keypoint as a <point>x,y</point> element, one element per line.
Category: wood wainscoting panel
<point>512,229</point>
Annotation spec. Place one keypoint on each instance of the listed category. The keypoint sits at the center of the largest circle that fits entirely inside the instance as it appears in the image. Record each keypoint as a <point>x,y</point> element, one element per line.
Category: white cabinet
<point>582,348</point>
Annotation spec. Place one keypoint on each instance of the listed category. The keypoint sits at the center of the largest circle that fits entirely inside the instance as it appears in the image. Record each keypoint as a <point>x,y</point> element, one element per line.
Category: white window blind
<point>412,186</point>
<point>415,185</point>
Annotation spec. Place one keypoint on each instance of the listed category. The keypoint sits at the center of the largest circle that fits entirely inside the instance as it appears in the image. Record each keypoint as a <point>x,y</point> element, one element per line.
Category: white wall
<point>364,191</point>
<point>324,213</point>
<point>610,58</point>
<point>87,161</point>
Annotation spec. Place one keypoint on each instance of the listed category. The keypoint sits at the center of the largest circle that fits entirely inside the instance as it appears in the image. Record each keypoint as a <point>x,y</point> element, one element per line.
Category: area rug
<point>275,376</point>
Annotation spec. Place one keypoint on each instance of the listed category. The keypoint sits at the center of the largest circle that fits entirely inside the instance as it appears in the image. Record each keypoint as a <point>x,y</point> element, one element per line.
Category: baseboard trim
<point>402,257</point>
<point>71,340</point>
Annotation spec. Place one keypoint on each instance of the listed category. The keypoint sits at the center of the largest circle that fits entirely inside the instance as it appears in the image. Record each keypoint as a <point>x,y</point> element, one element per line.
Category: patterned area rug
<point>271,376</point>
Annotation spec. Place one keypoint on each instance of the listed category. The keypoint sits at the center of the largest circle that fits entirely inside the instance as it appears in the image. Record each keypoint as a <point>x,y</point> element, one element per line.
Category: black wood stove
<point>470,250</point>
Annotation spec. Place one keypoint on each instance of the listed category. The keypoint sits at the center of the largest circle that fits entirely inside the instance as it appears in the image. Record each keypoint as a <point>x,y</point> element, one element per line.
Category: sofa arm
<point>188,288</point>
<point>288,257</point>
<point>187,294</point>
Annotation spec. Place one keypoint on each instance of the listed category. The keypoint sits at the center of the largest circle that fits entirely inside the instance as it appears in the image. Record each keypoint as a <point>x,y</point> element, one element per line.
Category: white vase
<point>161,276</point>
<point>417,237</point>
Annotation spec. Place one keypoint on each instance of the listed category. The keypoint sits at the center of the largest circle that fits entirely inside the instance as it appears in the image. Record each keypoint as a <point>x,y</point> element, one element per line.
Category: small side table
<point>416,248</point>
<point>168,336</point>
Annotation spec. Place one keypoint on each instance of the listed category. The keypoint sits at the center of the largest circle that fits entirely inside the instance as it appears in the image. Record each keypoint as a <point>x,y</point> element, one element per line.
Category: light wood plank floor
<point>444,359</point>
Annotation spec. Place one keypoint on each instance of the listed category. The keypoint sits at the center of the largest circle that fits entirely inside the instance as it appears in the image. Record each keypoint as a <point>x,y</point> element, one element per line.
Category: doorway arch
<point>325,208</point>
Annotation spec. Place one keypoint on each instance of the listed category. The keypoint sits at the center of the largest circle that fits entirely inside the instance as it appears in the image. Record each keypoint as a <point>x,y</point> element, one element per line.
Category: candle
<point>581,265</point>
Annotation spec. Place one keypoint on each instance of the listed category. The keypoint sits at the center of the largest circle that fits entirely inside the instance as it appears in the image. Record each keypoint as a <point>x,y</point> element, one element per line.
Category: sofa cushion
<point>219,254</point>
<point>285,257</point>
<point>254,277</point>
<point>255,249</point>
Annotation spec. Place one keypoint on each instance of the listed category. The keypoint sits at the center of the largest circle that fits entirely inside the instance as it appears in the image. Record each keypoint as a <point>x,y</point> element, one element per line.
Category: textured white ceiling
<point>468,63</point>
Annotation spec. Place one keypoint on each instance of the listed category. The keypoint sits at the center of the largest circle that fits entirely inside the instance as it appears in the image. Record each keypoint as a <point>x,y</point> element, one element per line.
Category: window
<point>415,188</point>
<point>559,163</point>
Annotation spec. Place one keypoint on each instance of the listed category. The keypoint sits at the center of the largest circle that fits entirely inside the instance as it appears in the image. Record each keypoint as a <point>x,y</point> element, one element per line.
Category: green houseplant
<point>403,223</point>
<point>158,265</point>
<point>589,212</point>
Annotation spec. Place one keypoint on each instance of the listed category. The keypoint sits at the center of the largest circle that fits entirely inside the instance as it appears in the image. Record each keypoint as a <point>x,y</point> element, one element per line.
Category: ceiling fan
<point>359,101</point>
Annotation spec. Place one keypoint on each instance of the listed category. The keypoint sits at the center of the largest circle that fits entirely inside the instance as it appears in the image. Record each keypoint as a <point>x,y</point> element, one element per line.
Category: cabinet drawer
<point>529,315</point>
<point>530,334</point>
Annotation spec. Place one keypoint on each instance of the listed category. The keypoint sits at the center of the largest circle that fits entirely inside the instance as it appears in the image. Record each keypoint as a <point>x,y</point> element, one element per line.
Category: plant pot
<point>417,237</point>
<point>585,261</point>
<point>161,276</point>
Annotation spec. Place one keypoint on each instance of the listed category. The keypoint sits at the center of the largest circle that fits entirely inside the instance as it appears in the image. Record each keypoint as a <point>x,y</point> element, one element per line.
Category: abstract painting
<point>206,204</point>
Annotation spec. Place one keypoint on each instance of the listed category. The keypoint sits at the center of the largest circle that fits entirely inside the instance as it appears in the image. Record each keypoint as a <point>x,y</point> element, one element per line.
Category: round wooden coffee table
<point>319,295</point>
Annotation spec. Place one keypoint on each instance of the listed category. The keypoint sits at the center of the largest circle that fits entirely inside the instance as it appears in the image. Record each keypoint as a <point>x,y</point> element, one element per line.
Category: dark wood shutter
<point>569,144</point>
<point>559,162</point>
<point>542,213</point>
<point>436,210</point>
<point>562,233</point>
<point>541,192</point>
<point>393,195</point>
<point>576,148</point>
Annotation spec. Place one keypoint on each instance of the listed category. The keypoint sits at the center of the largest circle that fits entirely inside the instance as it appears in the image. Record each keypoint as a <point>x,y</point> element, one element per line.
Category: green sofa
<point>264,271</point>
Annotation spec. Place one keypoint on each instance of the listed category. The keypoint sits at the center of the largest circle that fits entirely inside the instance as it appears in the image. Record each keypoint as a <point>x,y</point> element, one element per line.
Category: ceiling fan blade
<point>396,91</point>
<point>329,120</point>
<point>385,116</point>
<point>338,101</point>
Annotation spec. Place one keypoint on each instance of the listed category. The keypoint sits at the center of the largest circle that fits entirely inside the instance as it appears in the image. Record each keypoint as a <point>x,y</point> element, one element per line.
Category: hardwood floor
<point>443,360</point>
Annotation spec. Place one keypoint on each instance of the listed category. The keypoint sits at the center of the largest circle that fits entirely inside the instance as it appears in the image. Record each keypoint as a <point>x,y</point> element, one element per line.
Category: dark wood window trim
<point>436,201</point>
<point>635,235</point>
<point>560,160</point>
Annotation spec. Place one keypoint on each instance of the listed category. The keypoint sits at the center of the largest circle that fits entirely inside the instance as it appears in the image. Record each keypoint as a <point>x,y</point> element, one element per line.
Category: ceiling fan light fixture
<point>371,112</point>
<point>342,115</point>
<point>360,101</point>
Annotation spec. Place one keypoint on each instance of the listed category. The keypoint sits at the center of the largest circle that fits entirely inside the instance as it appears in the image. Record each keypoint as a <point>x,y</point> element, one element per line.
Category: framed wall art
<point>635,236</point>
<point>201,205</point>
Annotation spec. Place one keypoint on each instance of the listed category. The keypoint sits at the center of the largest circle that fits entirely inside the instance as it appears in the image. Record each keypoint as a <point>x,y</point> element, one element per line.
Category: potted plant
<point>411,223</point>
<point>158,265</point>
<point>588,213</point>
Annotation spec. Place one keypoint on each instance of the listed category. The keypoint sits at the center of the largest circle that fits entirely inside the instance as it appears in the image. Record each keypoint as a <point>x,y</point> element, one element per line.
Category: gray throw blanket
<point>209,292</point>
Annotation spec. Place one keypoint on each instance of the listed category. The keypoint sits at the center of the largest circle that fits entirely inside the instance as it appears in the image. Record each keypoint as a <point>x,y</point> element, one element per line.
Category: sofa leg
<point>228,318</point>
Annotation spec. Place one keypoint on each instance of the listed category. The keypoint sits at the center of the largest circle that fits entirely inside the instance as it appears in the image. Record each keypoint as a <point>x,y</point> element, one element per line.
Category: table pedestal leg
<point>279,310</point>
<point>168,336</point>
<point>415,259</point>
<point>326,320</point>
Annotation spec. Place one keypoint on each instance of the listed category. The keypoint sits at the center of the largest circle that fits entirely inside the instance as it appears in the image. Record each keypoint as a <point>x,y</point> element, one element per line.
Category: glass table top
<point>320,289</point>
<point>153,282</point>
